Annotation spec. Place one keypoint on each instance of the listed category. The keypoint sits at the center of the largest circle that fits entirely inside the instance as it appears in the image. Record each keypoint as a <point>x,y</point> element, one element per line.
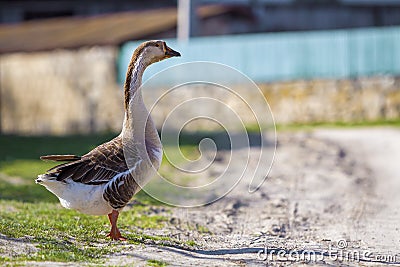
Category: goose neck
<point>133,82</point>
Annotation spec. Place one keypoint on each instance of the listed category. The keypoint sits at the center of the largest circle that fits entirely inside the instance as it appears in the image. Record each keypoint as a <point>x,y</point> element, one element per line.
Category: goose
<point>103,181</point>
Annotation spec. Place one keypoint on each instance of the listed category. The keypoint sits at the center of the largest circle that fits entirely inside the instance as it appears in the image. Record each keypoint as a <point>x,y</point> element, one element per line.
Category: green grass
<point>25,168</point>
<point>66,235</point>
<point>32,147</point>
<point>156,263</point>
<point>17,180</point>
<point>337,124</point>
<point>19,158</point>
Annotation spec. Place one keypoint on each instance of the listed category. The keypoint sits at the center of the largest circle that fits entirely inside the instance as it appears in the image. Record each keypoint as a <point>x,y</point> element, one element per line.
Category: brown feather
<point>60,157</point>
<point>98,166</point>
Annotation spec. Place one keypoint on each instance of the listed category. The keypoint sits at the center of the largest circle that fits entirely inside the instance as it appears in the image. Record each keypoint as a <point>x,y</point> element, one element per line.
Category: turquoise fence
<point>289,56</point>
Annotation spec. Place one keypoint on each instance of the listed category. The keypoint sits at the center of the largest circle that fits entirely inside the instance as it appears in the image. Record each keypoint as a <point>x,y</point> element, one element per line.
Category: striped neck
<point>133,81</point>
<point>137,123</point>
<point>138,126</point>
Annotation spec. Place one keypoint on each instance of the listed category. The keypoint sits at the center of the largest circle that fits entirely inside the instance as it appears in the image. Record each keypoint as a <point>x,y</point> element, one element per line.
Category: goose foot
<point>114,234</point>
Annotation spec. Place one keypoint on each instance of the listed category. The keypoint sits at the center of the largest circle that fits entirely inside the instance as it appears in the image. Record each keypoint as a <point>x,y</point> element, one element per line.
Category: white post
<point>187,19</point>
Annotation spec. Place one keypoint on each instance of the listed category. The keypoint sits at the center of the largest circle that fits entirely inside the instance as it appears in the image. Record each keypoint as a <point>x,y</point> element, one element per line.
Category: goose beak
<point>169,52</point>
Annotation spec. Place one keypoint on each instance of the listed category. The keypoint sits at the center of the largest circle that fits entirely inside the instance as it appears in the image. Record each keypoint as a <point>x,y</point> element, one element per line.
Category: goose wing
<point>97,167</point>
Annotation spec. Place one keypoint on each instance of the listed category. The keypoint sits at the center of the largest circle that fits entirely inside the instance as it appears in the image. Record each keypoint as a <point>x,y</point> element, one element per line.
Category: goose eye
<point>157,45</point>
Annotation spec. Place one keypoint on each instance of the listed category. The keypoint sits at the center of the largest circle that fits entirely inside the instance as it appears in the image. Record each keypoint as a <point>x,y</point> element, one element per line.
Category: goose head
<point>154,51</point>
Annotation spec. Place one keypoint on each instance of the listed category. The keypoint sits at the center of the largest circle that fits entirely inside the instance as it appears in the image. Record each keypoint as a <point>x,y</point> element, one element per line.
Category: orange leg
<point>114,233</point>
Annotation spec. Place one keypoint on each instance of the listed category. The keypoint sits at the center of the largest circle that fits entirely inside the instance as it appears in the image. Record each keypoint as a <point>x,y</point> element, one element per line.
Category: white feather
<point>85,198</point>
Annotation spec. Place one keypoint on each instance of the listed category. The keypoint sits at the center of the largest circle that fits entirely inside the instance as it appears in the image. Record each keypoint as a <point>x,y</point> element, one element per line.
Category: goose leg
<point>114,233</point>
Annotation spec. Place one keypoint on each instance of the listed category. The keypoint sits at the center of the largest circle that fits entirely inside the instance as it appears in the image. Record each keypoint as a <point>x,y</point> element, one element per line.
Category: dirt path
<point>379,149</point>
<point>332,199</point>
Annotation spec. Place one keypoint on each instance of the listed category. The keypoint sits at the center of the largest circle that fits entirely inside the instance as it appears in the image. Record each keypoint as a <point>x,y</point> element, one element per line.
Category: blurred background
<point>63,63</point>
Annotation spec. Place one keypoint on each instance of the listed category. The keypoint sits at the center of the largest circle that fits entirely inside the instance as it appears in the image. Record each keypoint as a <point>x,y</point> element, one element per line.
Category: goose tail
<point>60,157</point>
<point>43,178</point>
